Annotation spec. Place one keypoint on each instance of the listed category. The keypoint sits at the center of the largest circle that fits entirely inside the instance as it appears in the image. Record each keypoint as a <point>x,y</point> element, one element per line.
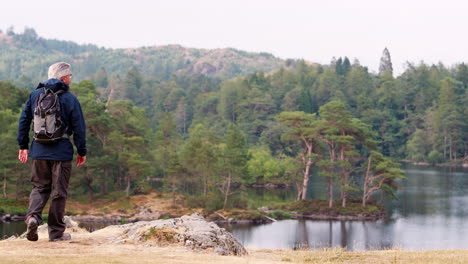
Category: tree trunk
<point>343,200</point>
<point>450,149</point>
<point>111,95</point>
<point>445,146</point>
<point>330,192</point>
<point>344,178</point>
<point>173,194</point>
<point>185,114</point>
<point>306,180</point>
<point>127,190</point>
<point>299,191</point>
<point>104,185</point>
<point>205,184</point>
<point>120,176</point>
<point>228,188</point>
<point>331,149</point>
<point>90,191</point>
<point>233,113</point>
<point>364,198</point>
<point>308,163</point>
<point>17,188</point>
<point>4,183</point>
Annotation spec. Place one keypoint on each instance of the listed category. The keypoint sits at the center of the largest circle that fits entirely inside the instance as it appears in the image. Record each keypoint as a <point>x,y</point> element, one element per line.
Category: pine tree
<point>302,127</point>
<point>339,66</point>
<point>346,67</point>
<point>385,62</point>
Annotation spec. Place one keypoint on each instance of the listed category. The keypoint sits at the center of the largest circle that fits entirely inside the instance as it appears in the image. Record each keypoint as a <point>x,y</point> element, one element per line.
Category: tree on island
<point>342,135</point>
<point>302,127</point>
<point>381,174</point>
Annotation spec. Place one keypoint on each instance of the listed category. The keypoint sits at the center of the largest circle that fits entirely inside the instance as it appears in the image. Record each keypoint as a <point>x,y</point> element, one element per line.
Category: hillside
<point>29,55</point>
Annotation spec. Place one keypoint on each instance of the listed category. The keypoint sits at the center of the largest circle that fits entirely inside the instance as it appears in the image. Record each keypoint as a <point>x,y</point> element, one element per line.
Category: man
<point>52,162</point>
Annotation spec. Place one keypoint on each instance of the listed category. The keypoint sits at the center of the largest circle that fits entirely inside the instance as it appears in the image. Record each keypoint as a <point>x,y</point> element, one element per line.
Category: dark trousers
<point>45,175</point>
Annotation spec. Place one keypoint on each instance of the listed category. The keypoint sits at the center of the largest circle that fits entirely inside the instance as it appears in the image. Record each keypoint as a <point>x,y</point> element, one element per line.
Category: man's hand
<point>23,155</point>
<point>80,160</point>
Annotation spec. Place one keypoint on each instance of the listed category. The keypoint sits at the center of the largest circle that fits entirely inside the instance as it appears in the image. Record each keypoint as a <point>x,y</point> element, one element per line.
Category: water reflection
<point>416,234</point>
<point>430,214</point>
<point>8,229</point>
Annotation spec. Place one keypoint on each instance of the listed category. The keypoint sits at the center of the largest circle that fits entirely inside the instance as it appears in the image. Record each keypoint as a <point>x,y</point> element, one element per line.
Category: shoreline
<point>154,206</point>
<point>265,219</point>
<point>424,163</point>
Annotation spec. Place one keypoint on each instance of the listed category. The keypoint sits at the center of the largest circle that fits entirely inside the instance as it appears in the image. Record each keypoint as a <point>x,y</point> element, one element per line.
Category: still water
<point>431,213</point>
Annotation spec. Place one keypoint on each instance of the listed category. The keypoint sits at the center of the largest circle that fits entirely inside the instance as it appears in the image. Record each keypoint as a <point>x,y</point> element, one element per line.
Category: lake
<point>431,213</point>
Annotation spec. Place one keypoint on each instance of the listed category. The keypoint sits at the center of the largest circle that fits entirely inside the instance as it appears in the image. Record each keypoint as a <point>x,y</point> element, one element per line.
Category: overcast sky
<point>314,30</point>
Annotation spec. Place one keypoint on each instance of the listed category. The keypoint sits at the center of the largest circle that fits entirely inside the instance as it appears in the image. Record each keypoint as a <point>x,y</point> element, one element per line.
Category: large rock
<point>192,231</point>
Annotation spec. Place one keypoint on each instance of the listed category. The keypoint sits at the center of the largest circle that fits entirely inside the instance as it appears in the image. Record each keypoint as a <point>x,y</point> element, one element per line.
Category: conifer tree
<point>385,62</point>
<point>346,67</point>
<point>302,127</point>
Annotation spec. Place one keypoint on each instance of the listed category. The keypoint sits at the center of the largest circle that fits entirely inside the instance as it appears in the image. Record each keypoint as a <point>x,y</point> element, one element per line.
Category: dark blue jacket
<point>72,117</point>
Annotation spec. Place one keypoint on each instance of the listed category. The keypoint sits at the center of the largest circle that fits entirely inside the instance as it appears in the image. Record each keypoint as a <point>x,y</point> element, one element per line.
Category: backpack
<point>47,121</point>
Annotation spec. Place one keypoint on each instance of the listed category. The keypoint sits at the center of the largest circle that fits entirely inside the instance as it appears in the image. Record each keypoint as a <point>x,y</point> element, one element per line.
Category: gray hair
<point>58,70</point>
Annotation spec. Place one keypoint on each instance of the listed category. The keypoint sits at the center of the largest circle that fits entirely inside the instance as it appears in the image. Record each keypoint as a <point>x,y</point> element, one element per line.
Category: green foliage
<point>435,157</point>
<point>278,214</point>
<point>318,207</point>
<point>13,207</point>
<point>192,127</point>
<point>263,165</point>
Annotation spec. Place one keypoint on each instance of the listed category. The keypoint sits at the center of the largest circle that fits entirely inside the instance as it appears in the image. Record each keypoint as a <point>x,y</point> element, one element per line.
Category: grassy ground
<point>11,206</point>
<point>86,250</point>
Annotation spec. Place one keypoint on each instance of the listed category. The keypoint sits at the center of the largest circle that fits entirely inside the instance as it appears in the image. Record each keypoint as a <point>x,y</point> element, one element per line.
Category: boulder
<point>193,232</point>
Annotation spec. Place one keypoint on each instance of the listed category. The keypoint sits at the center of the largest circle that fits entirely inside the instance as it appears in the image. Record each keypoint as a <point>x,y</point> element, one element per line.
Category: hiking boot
<point>65,236</point>
<point>31,233</point>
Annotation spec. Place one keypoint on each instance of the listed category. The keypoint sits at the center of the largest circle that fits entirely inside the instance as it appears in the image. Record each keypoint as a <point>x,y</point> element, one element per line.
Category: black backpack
<point>47,122</point>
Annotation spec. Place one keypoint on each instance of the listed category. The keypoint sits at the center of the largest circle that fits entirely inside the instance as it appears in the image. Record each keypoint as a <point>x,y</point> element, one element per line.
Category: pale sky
<point>314,30</point>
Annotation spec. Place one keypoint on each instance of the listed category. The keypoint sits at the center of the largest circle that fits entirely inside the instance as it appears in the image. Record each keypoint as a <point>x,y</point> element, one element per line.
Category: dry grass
<point>86,249</point>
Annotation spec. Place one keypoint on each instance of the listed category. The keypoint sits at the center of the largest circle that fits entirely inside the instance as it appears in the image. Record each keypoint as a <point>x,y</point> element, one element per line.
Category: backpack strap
<point>59,92</point>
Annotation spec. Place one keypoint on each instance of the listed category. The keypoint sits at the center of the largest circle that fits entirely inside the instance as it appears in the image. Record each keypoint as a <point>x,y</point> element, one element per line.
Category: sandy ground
<point>86,248</point>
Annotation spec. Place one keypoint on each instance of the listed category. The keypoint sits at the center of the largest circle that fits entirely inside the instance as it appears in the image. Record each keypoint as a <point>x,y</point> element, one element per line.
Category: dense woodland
<point>208,136</point>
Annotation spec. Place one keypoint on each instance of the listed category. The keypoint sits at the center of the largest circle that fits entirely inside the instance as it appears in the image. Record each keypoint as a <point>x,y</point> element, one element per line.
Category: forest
<point>210,136</point>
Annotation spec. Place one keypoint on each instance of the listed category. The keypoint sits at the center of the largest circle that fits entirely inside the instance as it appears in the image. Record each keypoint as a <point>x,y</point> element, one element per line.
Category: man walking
<point>56,115</point>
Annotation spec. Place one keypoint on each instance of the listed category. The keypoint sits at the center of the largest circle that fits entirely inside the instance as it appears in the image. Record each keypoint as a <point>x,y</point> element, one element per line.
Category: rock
<point>144,214</point>
<point>12,238</point>
<point>6,218</point>
<point>193,232</point>
<point>17,218</point>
